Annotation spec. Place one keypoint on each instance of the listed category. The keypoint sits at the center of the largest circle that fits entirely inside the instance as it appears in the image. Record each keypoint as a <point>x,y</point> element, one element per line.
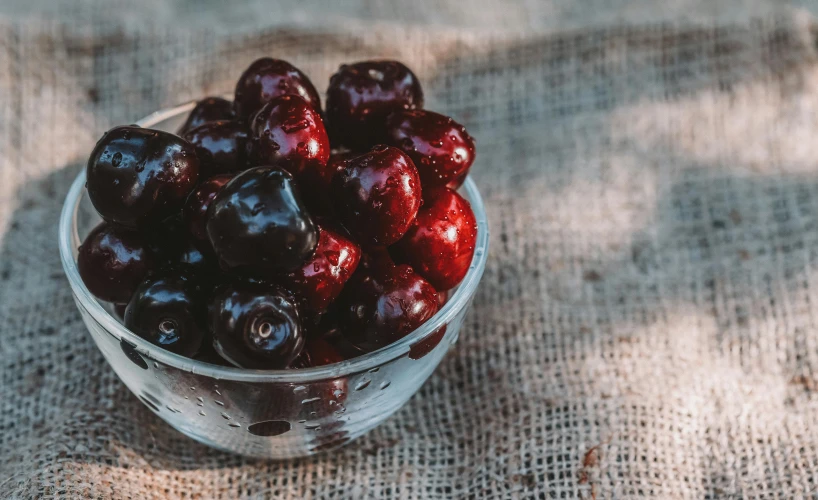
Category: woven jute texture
<point>648,321</point>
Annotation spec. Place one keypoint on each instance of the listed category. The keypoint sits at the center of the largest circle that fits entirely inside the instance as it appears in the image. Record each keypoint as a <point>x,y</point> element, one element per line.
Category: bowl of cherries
<point>274,278</point>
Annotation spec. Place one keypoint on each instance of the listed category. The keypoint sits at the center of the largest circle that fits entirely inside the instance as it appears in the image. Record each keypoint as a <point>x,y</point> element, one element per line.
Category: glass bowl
<point>265,413</point>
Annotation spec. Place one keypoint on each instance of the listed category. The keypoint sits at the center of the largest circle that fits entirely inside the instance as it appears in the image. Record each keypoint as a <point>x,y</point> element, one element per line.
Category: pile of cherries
<point>268,234</point>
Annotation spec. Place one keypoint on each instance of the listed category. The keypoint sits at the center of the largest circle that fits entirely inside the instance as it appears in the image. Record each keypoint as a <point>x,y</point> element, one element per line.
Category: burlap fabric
<point>648,320</point>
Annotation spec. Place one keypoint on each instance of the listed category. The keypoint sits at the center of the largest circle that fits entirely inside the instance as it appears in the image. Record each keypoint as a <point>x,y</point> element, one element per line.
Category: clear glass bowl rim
<point>456,302</point>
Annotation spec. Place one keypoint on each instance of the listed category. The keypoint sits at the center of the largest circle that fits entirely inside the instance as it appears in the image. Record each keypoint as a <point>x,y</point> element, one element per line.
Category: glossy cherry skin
<point>379,308</point>
<point>361,96</point>
<point>257,224</point>
<point>209,109</point>
<point>113,261</point>
<point>138,176</point>
<point>267,79</point>
<point>440,148</point>
<point>195,209</point>
<point>289,133</point>
<point>256,326</point>
<point>440,243</point>
<point>377,195</point>
<point>322,277</point>
<point>317,352</point>
<point>168,312</point>
<point>223,147</point>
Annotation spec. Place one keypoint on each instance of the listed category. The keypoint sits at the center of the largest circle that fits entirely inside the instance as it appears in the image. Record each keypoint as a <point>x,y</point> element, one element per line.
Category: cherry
<point>440,147</point>
<point>289,133</point>
<point>322,277</point>
<point>138,176</point>
<point>195,209</point>
<point>209,109</point>
<point>258,224</point>
<point>267,79</point>
<point>377,195</point>
<point>166,312</point>
<point>440,243</point>
<point>113,261</point>
<point>317,352</point>
<point>381,307</point>
<point>361,95</point>
<point>256,326</point>
<point>222,147</point>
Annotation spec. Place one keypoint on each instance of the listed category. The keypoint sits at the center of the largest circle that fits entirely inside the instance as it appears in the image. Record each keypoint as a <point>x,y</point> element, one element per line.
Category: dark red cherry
<point>440,243</point>
<point>267,79</point>
<point>195,209</point>
<point>440,147</point>
<point>379,308</point>
<point>258,226</point>
<point>317,352</point>
<point>289,133</point>
<point>377,195</point>
<point>322,277</point>
<point>223,147</point>
<point>113,261</point>
<point>361,96</point>
<point>138,176</point>
<point>256,326</point>
<point>167,312</point>
<point>209,109</point>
